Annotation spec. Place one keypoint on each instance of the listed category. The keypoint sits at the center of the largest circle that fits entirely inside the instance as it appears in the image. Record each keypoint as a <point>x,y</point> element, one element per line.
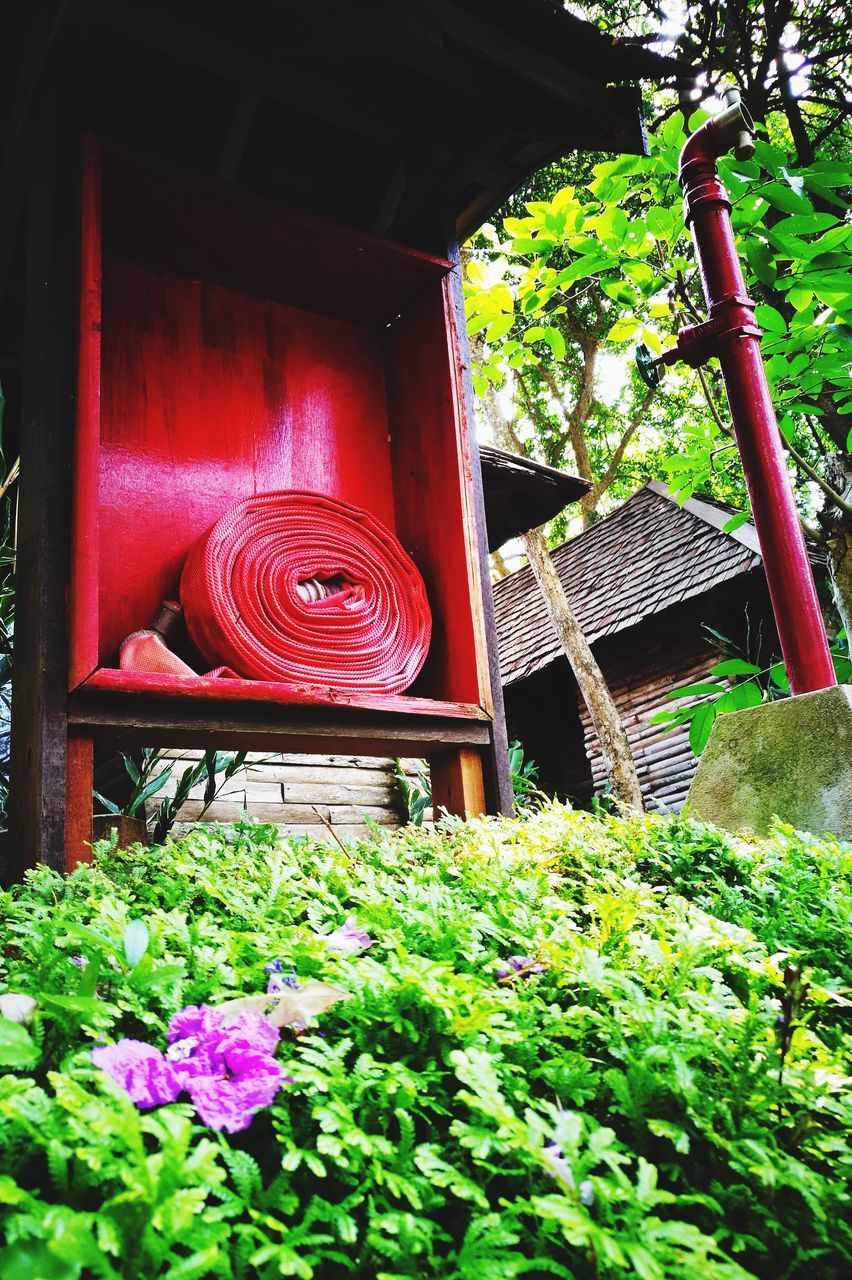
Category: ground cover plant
<point>564,1045</point>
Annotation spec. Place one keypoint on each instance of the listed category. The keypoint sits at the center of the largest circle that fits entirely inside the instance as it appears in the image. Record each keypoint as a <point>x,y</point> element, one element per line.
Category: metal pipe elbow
<point>731,129</point>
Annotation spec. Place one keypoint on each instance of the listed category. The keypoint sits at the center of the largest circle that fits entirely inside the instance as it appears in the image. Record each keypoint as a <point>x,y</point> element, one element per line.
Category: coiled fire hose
<point>297,587</point>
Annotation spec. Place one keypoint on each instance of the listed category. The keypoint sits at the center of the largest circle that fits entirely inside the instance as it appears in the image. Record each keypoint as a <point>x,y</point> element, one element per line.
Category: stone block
<point>791,759</point>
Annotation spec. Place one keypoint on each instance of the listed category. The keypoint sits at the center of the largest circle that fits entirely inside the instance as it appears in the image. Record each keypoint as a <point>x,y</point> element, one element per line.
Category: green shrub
<point>664,1100</point>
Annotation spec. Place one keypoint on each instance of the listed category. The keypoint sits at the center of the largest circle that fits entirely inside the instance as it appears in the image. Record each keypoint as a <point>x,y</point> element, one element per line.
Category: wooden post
<point>78,814</point>
<point>458,782</point>
<point>498,778</point>
<point>40,699</point>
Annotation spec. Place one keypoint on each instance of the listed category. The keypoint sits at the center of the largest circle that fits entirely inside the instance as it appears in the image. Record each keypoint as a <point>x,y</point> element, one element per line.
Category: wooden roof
<point>648,555</point>
<point>387,115</point>
<point>521,494</point>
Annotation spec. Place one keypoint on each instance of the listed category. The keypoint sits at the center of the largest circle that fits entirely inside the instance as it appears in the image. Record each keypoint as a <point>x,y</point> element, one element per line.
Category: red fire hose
<point>297,587</point>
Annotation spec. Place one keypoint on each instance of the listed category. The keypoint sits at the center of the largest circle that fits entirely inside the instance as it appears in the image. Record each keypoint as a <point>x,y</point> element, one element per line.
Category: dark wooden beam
<point>138,720</point>
<point>245,113</point>
<point>45,22</point>
<point>515,57</point>
<point>166,31</point>
<point>39,699</point>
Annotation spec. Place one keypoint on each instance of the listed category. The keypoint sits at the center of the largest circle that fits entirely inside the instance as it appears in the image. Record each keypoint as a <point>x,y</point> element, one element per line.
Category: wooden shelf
<point>140,710</point>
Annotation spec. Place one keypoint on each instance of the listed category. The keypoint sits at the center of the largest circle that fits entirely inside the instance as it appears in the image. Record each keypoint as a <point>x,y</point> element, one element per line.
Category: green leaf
<point>673,131</point>
<point>699,729</point>
<point>501,294</point>
<point>555,341</point>
<point>108,804</point>
<point>802,224</point>
<point>624,328</point>
<point>736,522</point>
<point>534,334</point>
<point>150,789</point>
<point>498,328</point>
<point>621,292</point>
<point>130,766</point>
<point>761,260</point>
<point>16,1045</point>
<point>671,718</point>
<point>611,225</point>
<point>778,674</point>
<point>783,196</point>
<point>747,694</point>
<point>696,690</point>
<point>770,319</point>
<point>800,297</point>
<point>524,245</point>
<point>658,221</point>
<point>586,264</point>
<point>734,667</point>
<point>33,1260</point>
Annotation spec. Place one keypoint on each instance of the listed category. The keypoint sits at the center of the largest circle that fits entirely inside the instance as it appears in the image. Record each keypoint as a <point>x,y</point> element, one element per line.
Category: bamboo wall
<point>664,760</point>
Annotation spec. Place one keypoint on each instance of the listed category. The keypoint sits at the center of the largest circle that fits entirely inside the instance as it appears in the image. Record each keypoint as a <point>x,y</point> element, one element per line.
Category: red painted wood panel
<point>428,474</point>
<point>244,350</point>
<point>209,396</point>
<point>185,223</point>
<point>207,688</point>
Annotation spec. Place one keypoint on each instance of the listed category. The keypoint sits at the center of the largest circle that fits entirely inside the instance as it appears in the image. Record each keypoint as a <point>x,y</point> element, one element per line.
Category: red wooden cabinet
<point>229,347</point>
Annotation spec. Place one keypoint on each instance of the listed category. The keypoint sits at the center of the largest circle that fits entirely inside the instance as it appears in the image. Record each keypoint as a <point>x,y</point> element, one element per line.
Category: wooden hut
<point>644,581</point>
<point>211,159</point>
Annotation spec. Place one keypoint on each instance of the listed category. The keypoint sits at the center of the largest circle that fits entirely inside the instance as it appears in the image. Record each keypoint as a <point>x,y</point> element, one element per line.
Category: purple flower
<point>252,1082</point>
<point>560,1169</point>
<point>140,1070</point>
<point>348,939</point>
<point>79,962</point>
<point>557,1166</point>
<point>228,1070</point>
<point>193,1022</point>
<point>279,981</point>
<point>520,965</point>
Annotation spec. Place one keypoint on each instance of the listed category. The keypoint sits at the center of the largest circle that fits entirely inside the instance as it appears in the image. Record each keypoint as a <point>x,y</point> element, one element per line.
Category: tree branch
<point>826,488</point>
<point>799,460</point>
<point>575,420</point>
<point>593,497</point>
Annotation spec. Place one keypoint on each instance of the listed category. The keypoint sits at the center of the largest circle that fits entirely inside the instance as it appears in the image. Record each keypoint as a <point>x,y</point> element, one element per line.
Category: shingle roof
<point>521,494</point>
<point>648,555</point>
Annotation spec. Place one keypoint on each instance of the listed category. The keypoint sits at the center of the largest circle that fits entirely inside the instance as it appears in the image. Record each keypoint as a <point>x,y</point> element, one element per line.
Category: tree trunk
<point>615,746</point>
<point>836,526</point>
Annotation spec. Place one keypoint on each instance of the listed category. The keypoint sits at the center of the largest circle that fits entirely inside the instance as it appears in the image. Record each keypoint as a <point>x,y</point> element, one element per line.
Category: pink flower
<point>228,1071</point>
<point>348,939</point>
<point>193,1021</point>
<point>230,1102</point>
<point>140,1070</point>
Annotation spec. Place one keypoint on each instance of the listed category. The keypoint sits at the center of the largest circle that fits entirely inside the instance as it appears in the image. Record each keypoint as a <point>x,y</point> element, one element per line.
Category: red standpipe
<point>732,334</point>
